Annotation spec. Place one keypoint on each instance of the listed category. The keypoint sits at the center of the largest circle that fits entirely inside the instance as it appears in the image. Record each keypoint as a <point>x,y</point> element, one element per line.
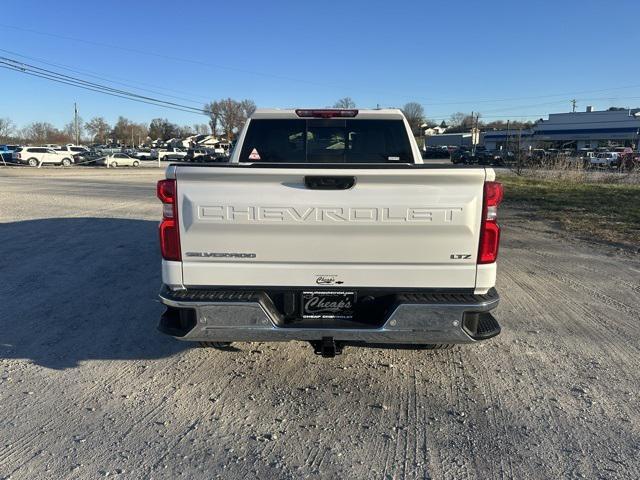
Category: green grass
<point>604,212</point>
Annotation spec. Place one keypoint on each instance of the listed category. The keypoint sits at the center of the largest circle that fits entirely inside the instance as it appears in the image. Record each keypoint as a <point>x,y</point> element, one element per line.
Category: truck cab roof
<point>378,114</point>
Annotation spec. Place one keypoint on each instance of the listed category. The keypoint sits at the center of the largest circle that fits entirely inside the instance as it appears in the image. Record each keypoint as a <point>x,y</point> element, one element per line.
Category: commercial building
<point>589,129</point>
<point>454,139</point>
<point>500,139</point>
<point>574,130</point>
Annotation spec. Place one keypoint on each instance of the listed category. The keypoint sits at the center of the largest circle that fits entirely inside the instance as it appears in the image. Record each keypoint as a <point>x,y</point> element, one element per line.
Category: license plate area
<point>328,304</point>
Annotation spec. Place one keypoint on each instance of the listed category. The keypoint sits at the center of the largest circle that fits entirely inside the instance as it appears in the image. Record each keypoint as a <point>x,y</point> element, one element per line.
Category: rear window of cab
<point>326,141</point>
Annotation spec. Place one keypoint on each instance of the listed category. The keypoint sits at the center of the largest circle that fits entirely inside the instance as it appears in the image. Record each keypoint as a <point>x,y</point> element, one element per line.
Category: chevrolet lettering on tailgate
<point>232,213</point>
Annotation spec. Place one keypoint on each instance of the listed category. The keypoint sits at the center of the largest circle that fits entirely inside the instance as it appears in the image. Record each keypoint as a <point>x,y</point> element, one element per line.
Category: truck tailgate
<point>405,227</point>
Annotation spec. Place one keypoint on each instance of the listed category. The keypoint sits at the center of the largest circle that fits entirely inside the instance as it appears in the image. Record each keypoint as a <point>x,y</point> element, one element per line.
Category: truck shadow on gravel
<point>77,289</point>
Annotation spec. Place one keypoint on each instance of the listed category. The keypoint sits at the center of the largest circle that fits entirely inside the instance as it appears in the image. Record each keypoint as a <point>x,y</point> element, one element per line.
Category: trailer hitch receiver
<point>327,347</point>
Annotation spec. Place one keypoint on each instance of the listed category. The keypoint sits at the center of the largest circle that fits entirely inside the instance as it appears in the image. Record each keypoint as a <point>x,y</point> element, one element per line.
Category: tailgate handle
<point>329,183</point>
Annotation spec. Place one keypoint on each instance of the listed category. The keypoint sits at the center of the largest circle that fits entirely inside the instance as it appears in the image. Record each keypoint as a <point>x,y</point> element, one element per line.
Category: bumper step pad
<point>415,318</point>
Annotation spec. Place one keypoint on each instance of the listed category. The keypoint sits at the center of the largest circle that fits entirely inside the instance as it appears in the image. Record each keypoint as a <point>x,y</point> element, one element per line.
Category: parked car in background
<point>108,149</point>
<point>172,154</point>
<point>435,152</point>
<point>605,160</point>
<point>623,150</point>
<point>482,156</point>
<point>146,154</point>
<point>34,156</point>
<point>6,152</point>
<point>502,157</point>
<point>87,158</point>
<point>72,149</point>
<point>467,156</point>
<point>119,160</point>
<point>461,155</point>
<point>585,155</point>
<point>222,149</point>
<point>77,152</point>
<point>200,155</point>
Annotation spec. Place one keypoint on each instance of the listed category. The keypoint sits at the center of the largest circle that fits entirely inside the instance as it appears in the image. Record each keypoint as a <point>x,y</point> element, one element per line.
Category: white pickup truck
<point>325,226</point>
<point>172,154</point>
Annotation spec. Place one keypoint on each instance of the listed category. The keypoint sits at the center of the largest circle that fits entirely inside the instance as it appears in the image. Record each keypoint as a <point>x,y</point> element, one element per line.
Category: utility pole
<point>75,123</point>
<point>473,138</point>
<point>507,142</point>
<point>132,137</point>
<point>573,104</point>
<point>519,159</point>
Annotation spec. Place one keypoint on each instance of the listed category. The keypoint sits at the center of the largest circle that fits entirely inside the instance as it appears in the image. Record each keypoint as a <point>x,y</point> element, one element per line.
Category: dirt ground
<point>89,389</point>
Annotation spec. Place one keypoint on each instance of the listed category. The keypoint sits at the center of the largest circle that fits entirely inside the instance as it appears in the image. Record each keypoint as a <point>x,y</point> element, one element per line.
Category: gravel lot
<point>89,389</point>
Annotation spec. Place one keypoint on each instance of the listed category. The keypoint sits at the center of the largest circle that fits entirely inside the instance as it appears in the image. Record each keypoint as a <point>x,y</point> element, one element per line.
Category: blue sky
<point>504,59</point>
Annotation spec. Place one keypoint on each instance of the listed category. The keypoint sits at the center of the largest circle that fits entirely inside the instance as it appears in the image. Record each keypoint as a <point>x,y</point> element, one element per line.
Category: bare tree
<point>140,133</point>
<point>346,102</point>
<point>247,108</point>
<point>456,119</point>
<point>414,113</point>
<point>163,129</point>
<point>230,115</point>
<point>201,129</point>
<point>183,131</point>
<point>121,132</point>
<point>98,128</point>
<point>462,122</point>
<point>41,132</point>
<point>70,129</point>
<point>227,116</point>
<point>214,110</point>
<point>7,128</point>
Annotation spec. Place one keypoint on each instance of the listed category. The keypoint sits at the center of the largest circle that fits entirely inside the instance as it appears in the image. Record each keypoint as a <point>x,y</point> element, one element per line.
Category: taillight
<point>327,113</point>
<point>169,230</point>
<point>489,229</point>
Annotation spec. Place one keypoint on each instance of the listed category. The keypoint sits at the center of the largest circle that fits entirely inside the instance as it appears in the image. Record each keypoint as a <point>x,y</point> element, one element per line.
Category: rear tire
<point>218,345</point>
<point>66,162</point>
<point>33,162</point>
<point>136,164</point>
<point>114,164</point>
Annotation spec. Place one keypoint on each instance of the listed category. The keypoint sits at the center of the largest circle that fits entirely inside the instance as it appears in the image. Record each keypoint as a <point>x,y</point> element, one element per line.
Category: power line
<point>14,65</point>
<point>170,57</point>
<point>108,79</point>
<point>33,70</point>
<point>21,65</point>
<point>306,81</point>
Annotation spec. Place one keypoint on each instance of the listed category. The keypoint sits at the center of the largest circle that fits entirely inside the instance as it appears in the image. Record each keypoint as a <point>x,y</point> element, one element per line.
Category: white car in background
<point>146,154</point>
<point>173,153</point>
<point>36,156</point>
<point>73,149</point>
<point>605,159</point>
<point>118,160</point>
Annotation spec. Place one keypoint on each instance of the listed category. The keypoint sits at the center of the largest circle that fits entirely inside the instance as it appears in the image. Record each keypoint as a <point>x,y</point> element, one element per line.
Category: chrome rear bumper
<point>230,316</point>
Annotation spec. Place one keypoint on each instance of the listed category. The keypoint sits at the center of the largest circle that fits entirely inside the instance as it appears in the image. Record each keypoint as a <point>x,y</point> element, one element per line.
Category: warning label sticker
<point>254,155</point>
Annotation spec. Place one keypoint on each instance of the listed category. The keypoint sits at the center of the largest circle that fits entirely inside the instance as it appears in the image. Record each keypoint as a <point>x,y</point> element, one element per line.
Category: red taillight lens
<point>170,240</point>
<point>169,229</point>
<point>493,193</point>
<point>489,229</point>
<point>166,191</point>
<point>327,113</point>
